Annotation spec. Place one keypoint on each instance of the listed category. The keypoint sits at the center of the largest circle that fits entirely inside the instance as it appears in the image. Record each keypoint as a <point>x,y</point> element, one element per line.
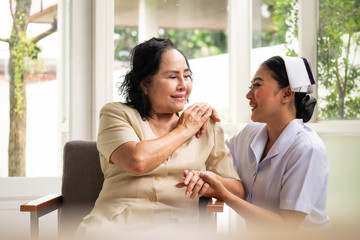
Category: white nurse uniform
<point>293,175</point>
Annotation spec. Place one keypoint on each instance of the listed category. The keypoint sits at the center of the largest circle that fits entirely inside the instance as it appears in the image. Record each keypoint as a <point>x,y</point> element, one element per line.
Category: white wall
<point>344,190</point>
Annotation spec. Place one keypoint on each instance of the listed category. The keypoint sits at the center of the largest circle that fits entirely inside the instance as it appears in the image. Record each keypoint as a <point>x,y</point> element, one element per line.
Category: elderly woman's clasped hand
<point>204,183</point>
<point>195,118</point>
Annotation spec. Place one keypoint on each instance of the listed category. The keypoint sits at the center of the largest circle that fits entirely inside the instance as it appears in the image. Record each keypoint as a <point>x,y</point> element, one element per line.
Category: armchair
<point>81,184</point>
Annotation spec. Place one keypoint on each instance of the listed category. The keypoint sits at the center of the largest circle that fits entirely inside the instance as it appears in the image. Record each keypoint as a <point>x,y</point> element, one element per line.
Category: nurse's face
<point>265,96</point>
<point>170,87</point>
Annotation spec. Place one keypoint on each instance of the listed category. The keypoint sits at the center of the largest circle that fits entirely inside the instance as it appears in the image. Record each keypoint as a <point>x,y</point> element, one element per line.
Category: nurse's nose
<point>250,94</point>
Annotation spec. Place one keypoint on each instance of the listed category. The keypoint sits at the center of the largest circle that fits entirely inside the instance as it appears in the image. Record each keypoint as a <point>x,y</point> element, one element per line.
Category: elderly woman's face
<point>170,87</point>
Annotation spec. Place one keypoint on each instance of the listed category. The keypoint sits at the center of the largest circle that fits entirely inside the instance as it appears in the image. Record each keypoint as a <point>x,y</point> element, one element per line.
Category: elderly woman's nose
<point>182,83</point>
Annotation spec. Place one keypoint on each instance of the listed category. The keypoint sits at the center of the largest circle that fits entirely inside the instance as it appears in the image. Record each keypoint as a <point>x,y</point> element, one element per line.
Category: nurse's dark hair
<point>145,59</point>
<point>304,103</point>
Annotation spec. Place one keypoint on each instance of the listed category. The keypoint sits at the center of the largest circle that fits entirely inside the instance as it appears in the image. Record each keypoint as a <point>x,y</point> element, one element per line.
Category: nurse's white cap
<point>299,74</point>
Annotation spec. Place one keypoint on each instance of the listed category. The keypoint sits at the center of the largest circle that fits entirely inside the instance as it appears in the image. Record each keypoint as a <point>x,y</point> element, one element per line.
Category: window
<point>271,21</point>
<point>338,55</point>
<point>339,59</point>
<point>41,95</point>
<point>199,29</point>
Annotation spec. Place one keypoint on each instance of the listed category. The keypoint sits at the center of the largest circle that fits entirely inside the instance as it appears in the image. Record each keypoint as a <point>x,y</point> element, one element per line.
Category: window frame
<point>307,29</point>
<point>86,62</point>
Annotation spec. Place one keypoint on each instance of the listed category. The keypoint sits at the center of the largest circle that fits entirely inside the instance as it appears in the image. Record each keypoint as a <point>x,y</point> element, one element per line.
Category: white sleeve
<point>305,176</point>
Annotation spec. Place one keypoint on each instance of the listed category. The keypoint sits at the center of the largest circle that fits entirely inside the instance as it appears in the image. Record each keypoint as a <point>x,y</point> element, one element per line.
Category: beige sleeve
<point>220,160</point>
<point>114,129</point>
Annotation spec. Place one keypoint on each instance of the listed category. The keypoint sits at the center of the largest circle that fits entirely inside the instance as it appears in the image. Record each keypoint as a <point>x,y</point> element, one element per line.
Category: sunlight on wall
<point>343,190</point>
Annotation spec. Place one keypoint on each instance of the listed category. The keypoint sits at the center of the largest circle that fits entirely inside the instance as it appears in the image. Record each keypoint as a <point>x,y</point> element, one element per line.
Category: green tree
<point>193,43</point>
<point>23,50</point>
<point>198,43</point>
<point>270,33</point>
<point>125,40</point>
<point>338,39</point>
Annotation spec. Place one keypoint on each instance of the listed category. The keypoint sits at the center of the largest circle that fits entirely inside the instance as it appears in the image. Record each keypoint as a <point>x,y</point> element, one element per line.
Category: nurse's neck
<point>278,123</point>
<point>275,129</point>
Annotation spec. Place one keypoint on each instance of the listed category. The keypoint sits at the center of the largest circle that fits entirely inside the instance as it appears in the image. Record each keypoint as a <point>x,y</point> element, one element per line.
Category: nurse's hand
<point>217,188</point>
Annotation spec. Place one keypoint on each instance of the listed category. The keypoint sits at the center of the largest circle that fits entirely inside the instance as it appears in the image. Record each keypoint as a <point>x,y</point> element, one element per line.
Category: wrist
<point>229,197</point>
<point>183,132</point>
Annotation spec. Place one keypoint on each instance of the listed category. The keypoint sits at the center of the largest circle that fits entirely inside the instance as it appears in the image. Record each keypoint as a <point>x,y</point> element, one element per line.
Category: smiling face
<point>170,87</point>
<point>266,98</point>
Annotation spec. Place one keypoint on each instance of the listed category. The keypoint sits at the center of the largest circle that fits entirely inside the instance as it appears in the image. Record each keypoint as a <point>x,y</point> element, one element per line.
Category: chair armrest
<point>41,203</point>
<point>215,206</point>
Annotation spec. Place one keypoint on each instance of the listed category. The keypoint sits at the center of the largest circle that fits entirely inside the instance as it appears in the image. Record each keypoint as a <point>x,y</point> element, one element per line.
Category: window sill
<point>27,188</point>
<point>336,127</point>
<point>324,128</point>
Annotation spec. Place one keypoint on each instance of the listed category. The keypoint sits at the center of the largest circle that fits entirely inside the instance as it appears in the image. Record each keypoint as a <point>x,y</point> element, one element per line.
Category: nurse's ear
<point>288,94</point>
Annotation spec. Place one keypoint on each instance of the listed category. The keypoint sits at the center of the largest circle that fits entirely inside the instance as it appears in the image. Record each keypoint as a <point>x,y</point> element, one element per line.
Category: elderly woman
<point>146,143</point>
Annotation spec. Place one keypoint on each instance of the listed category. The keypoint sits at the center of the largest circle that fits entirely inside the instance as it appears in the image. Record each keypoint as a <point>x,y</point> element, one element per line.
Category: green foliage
<point>198,43</point>
<point>285,16</point>
<point>193,43</point>
<point>125,40</point>
<point>338,39</point>
<point>337,70</point>
<point>282,17</point>
<point>266,38</point>
<point>23,49</point>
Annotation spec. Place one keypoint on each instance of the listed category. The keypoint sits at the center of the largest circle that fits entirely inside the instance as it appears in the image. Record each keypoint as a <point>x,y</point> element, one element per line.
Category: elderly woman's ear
<point>144,86</point>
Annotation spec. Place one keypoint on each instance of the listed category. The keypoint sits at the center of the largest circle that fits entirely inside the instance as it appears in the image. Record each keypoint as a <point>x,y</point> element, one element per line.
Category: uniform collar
<point>289,133</point>
<point>258,143</point>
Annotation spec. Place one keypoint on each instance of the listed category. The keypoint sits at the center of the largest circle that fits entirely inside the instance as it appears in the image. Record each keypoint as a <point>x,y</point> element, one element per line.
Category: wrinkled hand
<point>195,118</point>
<point>214,116</point>
<point>194,184</point>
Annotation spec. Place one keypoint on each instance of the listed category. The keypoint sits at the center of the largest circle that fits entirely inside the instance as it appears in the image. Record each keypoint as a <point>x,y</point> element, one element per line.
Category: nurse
<point>281,162</point>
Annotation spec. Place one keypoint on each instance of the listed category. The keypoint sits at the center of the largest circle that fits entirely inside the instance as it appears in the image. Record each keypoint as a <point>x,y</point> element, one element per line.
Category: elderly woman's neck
<point>163,123</point>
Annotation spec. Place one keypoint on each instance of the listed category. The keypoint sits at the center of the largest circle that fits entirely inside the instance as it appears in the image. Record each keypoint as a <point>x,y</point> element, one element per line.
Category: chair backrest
<point>81,183</point>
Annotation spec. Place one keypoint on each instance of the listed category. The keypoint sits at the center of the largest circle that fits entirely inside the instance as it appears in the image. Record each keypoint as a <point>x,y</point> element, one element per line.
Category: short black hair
<point>145,61</point>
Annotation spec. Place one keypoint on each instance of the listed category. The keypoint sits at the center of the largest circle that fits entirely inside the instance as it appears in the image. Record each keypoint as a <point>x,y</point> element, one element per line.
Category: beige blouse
<point>137,200</point>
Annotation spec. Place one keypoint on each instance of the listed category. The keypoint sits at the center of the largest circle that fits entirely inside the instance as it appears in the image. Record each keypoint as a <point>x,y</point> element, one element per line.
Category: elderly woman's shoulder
<point>116,107</point>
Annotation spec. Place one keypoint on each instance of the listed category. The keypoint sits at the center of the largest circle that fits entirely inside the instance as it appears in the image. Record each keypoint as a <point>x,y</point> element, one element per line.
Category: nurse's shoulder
<point>309,146</point>
<point>245,135</point>
<point>311,138</point>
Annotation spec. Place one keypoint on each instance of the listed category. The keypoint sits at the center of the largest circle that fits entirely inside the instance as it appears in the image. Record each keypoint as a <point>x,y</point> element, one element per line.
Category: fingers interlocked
<point>195,184</point>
